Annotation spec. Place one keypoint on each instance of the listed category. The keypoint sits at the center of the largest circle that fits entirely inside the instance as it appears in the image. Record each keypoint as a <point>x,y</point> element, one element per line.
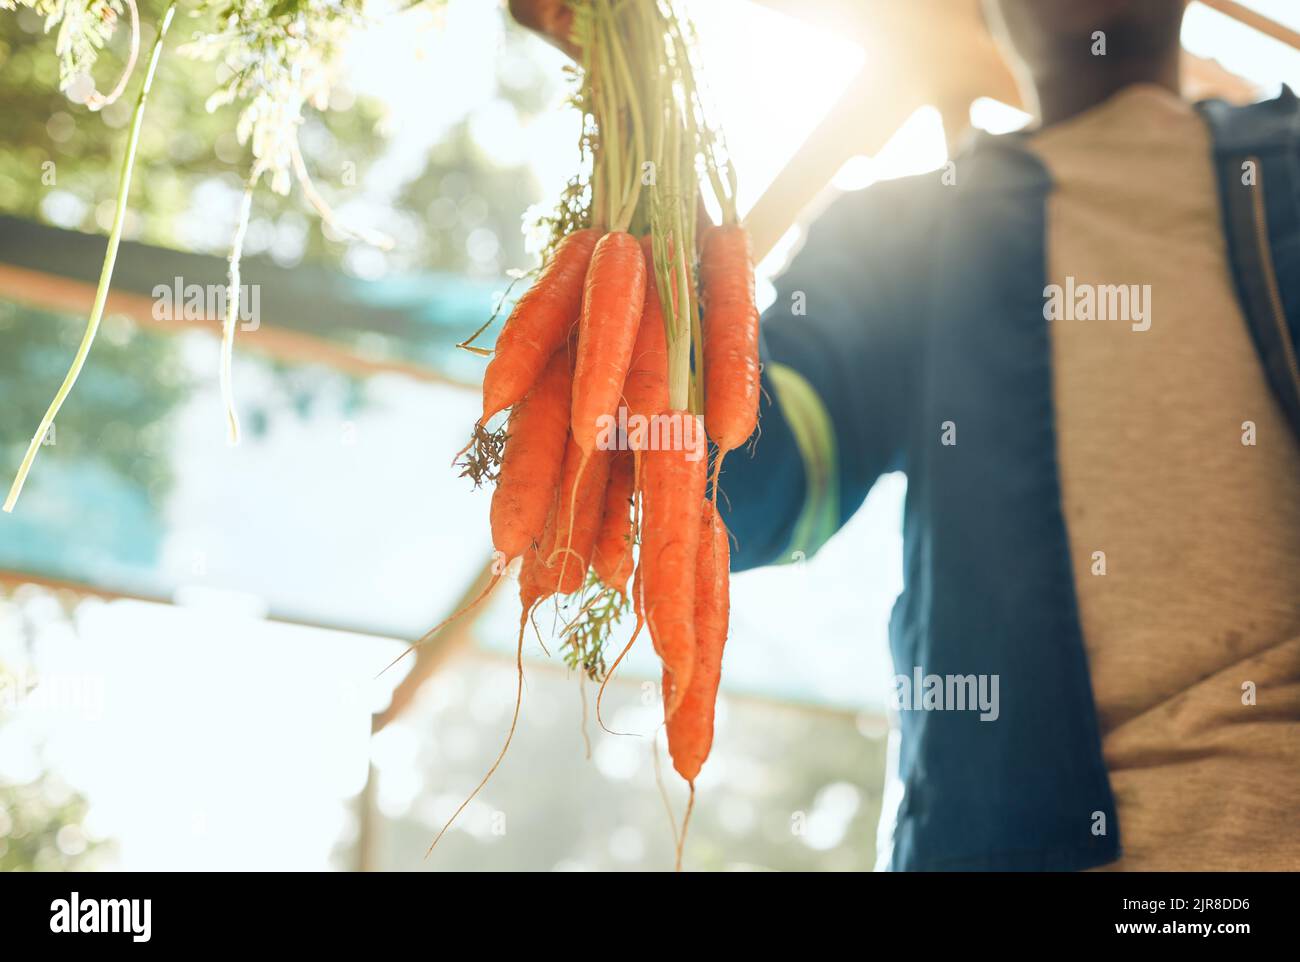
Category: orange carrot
<point>690,729</point>
<point>672,489</point>
<point>577,518</point>
<point>612,303</point>
<point>730,337</point>
<point>612,555</point>
<point>534,580</point>
<point>538,324</point>
<point>645,390</point>
<point>534,454</point>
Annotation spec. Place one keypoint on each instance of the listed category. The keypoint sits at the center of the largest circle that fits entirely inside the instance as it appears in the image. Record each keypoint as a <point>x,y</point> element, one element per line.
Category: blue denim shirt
<point>914,315</point>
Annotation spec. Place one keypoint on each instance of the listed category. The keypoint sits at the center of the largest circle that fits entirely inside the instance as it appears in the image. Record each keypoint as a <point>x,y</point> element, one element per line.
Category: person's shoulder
<point>918,193</point>
<point>1272,124</point>
<point>888,215</point>
<point>898,218</point>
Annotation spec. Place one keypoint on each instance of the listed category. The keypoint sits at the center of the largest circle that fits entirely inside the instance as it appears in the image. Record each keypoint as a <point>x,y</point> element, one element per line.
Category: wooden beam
<point>858,123</point>
<point>431,656</point>
<point>1253,18</point>
<point>49,292</point>
<point>10,579</point>
<point>935,52</point>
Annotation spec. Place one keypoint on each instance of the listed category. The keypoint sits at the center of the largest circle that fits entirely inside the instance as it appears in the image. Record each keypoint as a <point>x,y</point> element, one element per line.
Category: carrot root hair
<point>514,722</point>
<point>640,622</point>
<point>480,459</point>
<point>573,517</point>
<point>717,474</point>
<point>478,426</point>
<point>428,635</point>
<point>686,824</point>
<point>563,553</point>
<point>575,622</point>
<point>663,789</point>
<point>582,697</point>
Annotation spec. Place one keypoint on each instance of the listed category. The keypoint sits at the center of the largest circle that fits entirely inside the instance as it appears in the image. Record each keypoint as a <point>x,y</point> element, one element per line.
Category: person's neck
<point>1059,98</point>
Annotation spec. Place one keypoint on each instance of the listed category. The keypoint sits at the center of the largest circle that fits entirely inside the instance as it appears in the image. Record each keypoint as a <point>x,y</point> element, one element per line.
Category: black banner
<point>136,911</point>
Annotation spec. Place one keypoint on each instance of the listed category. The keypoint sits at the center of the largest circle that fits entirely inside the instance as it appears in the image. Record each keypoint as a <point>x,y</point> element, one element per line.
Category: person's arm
<point>839,349</point>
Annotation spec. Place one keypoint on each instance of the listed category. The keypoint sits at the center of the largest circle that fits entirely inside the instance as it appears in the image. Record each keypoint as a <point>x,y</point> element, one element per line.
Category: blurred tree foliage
<point>120,411</point>
<point>40,828</point>
<point>471,209</point>
<point>41,819</point>
<point>183,147</point>
<point>59,161</point>
<point>459,212</point>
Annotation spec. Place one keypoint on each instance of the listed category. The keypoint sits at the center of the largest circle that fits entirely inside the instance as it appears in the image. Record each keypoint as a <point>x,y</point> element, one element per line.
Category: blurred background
<point>192,635</point>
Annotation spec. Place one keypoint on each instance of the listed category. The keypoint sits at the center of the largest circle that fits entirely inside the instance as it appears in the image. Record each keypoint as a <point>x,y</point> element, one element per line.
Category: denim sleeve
<point>839,349</point>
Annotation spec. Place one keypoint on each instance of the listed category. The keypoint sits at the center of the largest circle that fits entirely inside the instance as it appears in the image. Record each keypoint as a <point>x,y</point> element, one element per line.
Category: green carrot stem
<point>607,123</point>
<point>585,32</point>
<point>677,299</point>
<point>706,136</point>
<point>679,384</point>
<point>690,323</point>
<point>697,331</point>
<point>638,126</point>
<point>106,272</point>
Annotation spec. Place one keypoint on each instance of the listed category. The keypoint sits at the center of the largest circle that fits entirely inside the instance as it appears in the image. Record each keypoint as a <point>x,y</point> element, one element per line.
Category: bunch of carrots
<point>635,338</point>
